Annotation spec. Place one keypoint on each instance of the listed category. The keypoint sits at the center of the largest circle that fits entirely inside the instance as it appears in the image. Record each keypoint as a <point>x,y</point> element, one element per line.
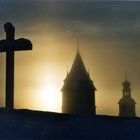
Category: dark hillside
<point>26,124</point>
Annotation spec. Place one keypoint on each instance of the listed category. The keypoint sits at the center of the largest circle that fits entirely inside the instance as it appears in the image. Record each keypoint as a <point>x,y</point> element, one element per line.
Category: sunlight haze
<point>109,44</point>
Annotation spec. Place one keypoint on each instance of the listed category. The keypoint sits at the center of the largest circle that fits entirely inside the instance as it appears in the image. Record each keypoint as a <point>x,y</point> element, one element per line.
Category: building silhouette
<point>78,91</point>
<point>127,103</point>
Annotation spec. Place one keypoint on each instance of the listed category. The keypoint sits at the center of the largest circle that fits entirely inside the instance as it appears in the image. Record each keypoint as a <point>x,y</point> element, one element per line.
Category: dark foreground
<point>35,125</point>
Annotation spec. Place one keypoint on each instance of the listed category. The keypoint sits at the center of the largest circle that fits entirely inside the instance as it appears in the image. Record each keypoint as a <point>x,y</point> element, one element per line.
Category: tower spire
<point>125,75</point>
<point>77,45</point>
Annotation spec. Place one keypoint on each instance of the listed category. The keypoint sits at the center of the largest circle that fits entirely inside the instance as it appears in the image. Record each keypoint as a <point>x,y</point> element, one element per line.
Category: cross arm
<point>15,45</point>
<point>22,44</point>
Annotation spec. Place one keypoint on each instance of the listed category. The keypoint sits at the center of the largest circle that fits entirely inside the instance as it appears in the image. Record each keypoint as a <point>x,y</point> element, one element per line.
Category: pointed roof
<point>78,70</point>
<point>78,74</point>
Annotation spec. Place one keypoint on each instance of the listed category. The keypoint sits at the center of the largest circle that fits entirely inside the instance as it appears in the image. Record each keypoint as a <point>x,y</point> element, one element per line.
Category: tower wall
<point>78,102</point>
<point>127,109</point>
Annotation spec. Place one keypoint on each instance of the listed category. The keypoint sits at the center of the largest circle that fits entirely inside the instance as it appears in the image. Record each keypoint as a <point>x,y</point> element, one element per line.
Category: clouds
<point>118,20</point>
<point>100,13</point>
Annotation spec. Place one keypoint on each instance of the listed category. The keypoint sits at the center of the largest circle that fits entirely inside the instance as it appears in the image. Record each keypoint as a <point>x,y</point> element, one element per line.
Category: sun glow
<point>49,98</point>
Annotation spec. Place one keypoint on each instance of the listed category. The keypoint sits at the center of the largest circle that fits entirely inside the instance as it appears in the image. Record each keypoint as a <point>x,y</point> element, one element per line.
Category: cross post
<point>9,46</point>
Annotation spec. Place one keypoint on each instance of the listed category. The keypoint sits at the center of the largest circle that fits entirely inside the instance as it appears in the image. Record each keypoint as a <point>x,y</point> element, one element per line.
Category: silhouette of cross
<point>9,46</point>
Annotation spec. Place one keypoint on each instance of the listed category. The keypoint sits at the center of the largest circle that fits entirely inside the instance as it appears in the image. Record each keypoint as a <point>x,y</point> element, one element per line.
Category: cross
<point>9,45</point>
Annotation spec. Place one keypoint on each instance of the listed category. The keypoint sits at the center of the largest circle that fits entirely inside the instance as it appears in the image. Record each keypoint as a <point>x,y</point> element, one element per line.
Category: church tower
<point>127,103</point>
<point>78,91</point>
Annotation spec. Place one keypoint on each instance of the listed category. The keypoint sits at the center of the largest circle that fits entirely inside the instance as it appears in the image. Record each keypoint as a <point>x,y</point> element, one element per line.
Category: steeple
<point>78,70</point>
<point>77,45</point>
<point>126,87</point>
<point>78,91</point>
<point>126,103</point>
<point>126,76</point>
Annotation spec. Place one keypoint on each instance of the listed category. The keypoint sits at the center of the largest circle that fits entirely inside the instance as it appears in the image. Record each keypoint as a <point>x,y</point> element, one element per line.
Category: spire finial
<point>125,75</point>
<point>77,45</point>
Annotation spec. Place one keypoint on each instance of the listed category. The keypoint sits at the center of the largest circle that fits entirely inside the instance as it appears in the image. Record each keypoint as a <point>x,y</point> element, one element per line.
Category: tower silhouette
<point>78,91</point>
<point>127,103</point>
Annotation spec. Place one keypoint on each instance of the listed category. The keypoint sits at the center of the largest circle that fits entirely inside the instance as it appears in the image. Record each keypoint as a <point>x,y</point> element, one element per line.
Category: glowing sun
<point>49,98</point>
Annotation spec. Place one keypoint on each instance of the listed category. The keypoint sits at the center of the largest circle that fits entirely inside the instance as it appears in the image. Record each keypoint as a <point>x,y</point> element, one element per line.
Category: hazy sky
<point>109,35</point>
